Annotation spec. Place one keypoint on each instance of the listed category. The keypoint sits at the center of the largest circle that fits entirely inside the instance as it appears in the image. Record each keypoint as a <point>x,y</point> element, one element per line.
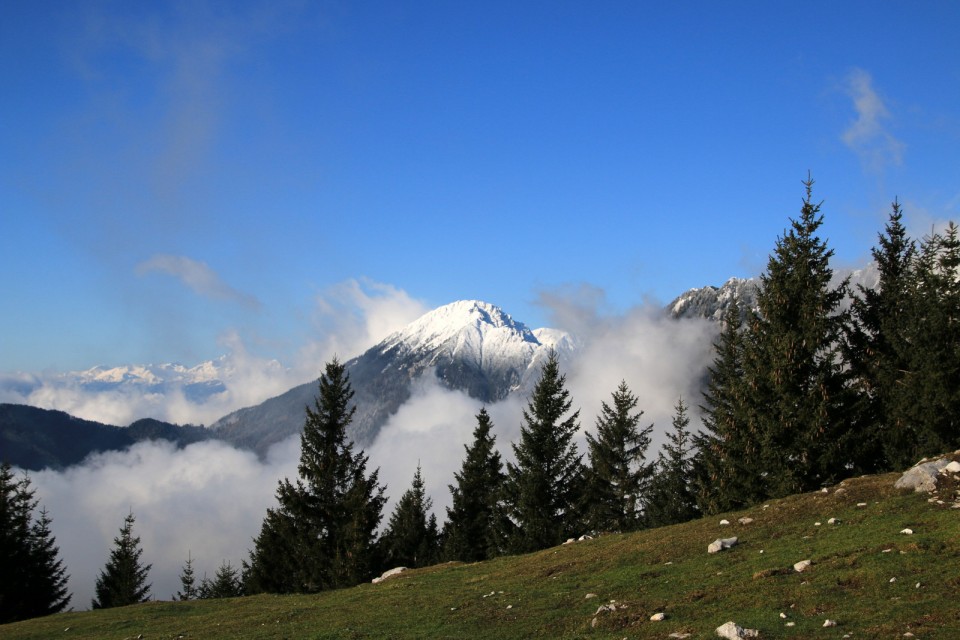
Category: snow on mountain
<point>712,302</point>
<point>469,346</point>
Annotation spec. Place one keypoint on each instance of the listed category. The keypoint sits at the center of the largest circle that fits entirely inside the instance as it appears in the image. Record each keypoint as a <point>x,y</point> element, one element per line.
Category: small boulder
<point>745,520</point>
<point>802,566</point>
<point>953,467</point>
<point>907,532</point>
<point>922,477</point>
<point>829,623</point>
<point>724,522</point>
<point>733,631</point>
<point>721,544</point>
<point>657,617</point>
<point>389,574</point>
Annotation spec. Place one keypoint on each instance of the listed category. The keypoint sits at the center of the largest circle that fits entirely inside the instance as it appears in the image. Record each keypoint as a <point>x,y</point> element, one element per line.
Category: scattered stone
<point>657,617</point>
<point>861,504</point>
<point>824,490</point>
<point>953,467</point>
<point>679,636</point>
<point>790,624</point>
<point>918,585</point>
<point>584,537</point>
<point>389,574</point>
<point>833,521</point>
<point>586,597</point>
<point>594,623</point>
<point>745,520</point>
<point>886,551</point>
<point>829,623</point>
<point>922,477</point>
<point>817,524</point>
<point>840,491</point>
<point>724,522</point>
<point>721,544</point>
<point>907,532</point>
<point>509,606</point>
<point>783,616</point>
<point>733,631</point>
<point>802,566</point>
<point>894,579</point>
<point>605,607</point>
<point>570,541</point>
<point>908,635</point>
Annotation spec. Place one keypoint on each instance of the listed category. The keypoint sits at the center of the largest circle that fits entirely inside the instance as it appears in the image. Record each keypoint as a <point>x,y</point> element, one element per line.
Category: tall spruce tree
<point>930,394</point>
<point>123,581</point>
<point>34,579</point>
<point>469,534</point>
<point>793,363</point>
<point>617,476</point>
<point>543,494</point>
<point>879,352</point>
<point>726,473</point>
<point>670,499</point>
<point>411,538</point>
<point>188,581</point>
<point>322,533</point>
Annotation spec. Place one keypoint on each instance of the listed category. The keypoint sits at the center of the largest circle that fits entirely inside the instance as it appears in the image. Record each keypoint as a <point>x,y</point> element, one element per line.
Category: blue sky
<point>178,175</point>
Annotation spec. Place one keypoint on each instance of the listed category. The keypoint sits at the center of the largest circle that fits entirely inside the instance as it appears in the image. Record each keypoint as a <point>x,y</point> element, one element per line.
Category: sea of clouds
<point>208,499</point>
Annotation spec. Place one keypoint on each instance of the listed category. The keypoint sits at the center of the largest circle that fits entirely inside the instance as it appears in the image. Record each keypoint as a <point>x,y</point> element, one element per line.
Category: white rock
<point>657,617</point>
<point>893,579</point>
<point>829,623</point>
<point>589,595</point>
<point>833,521</point>
<point>802,566</point>
<point>953,467</point>
<point>907,532</point>
<point>733,631</point>
<point>605,607</point>
<point>720,544</point>
<point>861,504</point>
<point>389,574</point>
<point>922,477</point>
<point>790,624</point>
<point>584,537</point>
<point>817,524</point>
<point>679,636</point>
<point>783,616</point>
<point>570,541</point>
<point>745,520</point>
<point>724,522</point>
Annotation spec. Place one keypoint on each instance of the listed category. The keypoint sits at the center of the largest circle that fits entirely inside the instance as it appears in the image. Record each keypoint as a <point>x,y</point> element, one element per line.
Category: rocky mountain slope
<point>469,345</point>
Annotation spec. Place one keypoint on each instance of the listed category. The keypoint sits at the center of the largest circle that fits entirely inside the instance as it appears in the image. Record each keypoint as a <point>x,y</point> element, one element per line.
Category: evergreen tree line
<point>819,382</point>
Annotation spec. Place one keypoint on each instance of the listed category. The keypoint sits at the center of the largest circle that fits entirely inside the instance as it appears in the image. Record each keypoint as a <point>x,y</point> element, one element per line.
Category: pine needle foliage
<point>617,476</point>
<point>34,579</point>
<point>670,498</point>
<point>544,489</point>
<point>469,534</point>
<point>322,534</point>
<point>411,538</point>
<point>123,581</point>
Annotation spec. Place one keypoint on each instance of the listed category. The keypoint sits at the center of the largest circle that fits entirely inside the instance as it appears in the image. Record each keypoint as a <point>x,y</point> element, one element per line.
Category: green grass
<point>668,570</point>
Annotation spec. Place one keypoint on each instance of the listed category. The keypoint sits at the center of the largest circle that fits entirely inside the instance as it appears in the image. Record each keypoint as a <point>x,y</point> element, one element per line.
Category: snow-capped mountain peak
<point>464,326</point>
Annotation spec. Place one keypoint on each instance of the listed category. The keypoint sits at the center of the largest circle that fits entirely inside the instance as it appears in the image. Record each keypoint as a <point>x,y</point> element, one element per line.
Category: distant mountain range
<point>471,346</point>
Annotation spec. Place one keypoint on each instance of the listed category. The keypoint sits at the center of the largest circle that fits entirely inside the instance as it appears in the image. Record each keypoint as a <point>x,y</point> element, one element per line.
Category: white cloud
<point>207,499</point>
<point>198,276</point>
<point>868,135</point>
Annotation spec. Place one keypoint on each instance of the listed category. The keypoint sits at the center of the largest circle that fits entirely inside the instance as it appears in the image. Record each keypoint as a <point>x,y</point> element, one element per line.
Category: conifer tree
<point>322,533</point>
<point>123,581</point>
<point>411,538</point>
<point>879,348</point>
<point>670,499</point>
<point>34,580</point>
<point>226,583</point>
<point>188,587</point>
<point>617,476</point>
<point>726,473</point>
<point>793,365</point>
<point>544,489</point>
<point>469,534</point>
<point>930,395</point>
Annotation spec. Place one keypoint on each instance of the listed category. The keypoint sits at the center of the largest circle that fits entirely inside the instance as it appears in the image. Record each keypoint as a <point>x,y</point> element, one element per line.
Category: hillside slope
<point>870,578</point>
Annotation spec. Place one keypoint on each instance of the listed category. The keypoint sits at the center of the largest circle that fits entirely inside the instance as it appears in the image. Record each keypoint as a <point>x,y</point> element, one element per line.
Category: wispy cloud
<point>868,135</point>
<point>198,276</point>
